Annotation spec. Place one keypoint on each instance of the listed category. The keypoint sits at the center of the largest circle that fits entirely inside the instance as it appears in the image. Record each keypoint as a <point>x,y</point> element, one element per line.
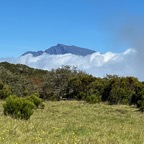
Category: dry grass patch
<point>69,122</point>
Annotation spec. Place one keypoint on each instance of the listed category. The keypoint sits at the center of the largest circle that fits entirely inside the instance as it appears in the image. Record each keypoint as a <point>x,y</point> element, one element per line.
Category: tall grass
<point>72,122</point>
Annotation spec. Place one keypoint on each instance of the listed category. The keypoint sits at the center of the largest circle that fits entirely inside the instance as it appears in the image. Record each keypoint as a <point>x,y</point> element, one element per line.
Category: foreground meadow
<point>73,122</point>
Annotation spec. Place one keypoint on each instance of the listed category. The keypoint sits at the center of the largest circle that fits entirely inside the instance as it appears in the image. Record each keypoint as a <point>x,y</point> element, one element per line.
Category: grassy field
<point>71,122</point>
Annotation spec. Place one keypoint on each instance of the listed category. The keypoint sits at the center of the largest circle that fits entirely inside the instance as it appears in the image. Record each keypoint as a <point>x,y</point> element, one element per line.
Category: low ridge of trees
<point>69,83</point>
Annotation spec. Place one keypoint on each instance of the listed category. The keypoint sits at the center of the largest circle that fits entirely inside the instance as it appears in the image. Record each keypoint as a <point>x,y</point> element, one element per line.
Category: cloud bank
<point>97,64</point>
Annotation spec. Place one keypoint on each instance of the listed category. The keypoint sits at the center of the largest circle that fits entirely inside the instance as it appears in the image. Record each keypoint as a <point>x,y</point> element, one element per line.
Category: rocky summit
<point>62,49</point>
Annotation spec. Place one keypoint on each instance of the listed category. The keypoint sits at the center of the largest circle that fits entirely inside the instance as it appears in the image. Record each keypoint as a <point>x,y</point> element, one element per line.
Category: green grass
<point>72,122</point>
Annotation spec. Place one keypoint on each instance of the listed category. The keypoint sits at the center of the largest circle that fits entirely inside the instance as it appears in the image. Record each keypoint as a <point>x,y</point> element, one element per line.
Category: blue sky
<point>39,24</point>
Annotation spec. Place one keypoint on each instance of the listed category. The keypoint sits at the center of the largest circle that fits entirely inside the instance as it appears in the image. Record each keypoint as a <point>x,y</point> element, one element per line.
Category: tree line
<point>69,83</point>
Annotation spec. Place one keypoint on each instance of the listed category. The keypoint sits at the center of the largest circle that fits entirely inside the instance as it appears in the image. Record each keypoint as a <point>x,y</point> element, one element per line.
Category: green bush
<point>34,98</point>
<point>93,99</point>
<point>18,107</point>
<point>140,104</point>
<point>5,91</point>
<point>119,96</point>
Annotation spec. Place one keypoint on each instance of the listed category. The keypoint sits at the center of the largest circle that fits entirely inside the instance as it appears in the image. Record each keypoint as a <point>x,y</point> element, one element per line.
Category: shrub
<point>34,98</point>
<point>140,104</point>
<point>5,91</point>
<point>119,96</point>
<point>93,99</point>
<point>141,107</point>
<point>18,107</point>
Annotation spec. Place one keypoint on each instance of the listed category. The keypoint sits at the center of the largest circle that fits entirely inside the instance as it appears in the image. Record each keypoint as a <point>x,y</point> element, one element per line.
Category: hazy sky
<point>95,24</point>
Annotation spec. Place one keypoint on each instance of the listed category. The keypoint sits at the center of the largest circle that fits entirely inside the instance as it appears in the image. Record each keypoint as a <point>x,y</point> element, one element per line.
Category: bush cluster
<point>21,108</point>
<point>93,99</point>
<point>34,98</point>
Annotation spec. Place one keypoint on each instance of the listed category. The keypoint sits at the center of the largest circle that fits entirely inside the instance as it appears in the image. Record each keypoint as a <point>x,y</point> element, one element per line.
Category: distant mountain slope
<point>38,53</point>
<point>62,49</point>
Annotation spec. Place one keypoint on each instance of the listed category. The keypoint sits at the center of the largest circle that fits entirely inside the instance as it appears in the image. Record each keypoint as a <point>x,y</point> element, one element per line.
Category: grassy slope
<point>75,122</point>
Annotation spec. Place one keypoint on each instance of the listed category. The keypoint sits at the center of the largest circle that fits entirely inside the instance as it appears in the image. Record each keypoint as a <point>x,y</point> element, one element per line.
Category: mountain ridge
<point>62,49</point>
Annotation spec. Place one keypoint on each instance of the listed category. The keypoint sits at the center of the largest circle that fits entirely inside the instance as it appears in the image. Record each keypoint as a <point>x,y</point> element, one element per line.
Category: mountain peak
<point>62,49</point>
<point>60,45</point>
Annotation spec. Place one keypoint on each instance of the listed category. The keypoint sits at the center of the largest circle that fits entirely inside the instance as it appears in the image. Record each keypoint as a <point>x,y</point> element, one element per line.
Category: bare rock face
<point>62,49</point>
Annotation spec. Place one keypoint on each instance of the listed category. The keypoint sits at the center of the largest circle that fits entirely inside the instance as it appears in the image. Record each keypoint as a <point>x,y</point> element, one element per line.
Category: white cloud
<point>123,64</point>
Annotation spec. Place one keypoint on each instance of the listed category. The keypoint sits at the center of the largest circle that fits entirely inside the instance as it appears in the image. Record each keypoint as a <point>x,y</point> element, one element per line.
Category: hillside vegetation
<point>96,110</point>
<point>69,83</point>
